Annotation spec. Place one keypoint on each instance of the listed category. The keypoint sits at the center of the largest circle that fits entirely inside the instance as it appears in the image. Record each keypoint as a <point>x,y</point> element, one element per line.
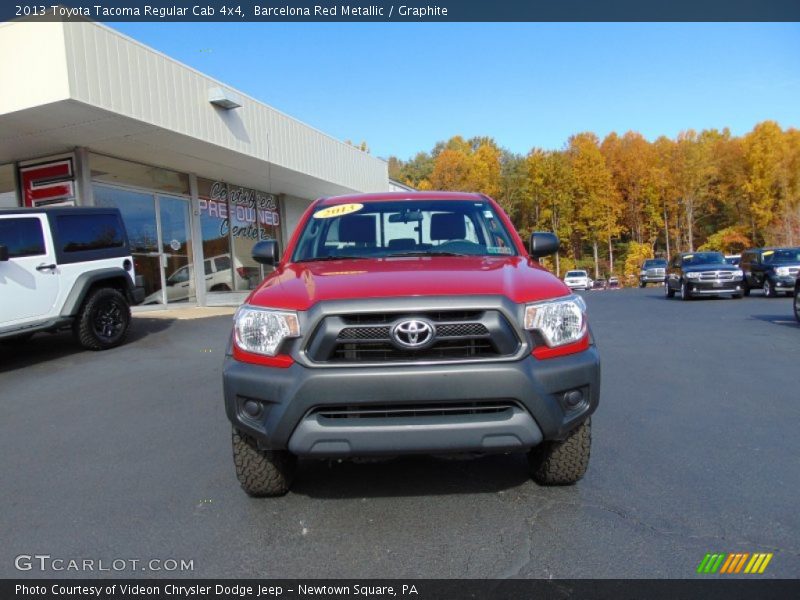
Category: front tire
<point>769,289</point>
<point>262,472</point>
<point>562,462</point>
<point>104,320</point>
<point>797,303</point>
<point>686,293</point>
<point>668,291</point>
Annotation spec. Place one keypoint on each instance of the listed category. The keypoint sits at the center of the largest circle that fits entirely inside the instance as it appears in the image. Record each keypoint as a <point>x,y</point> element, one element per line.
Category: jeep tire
<point>562,462</point>
<point>103,320</point>
<point>262,472</point>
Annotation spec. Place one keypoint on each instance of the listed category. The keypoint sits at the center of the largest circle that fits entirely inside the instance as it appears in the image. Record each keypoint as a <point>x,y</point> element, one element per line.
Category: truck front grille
<point>395,411</point>
<point>716,276</point>
<point>367,338</point>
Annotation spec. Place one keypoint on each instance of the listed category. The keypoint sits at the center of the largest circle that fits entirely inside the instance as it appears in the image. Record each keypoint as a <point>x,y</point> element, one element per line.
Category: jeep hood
<point>299,286</point>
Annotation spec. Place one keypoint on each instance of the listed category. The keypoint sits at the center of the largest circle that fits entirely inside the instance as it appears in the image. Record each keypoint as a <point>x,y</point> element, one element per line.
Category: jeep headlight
<point>782,271</point>
<point>262,331</point>
<point>693,276</point>
<point>559,322</point>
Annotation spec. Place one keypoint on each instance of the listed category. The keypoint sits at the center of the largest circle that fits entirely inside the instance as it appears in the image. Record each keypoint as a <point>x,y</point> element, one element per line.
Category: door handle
<point>44,267</point>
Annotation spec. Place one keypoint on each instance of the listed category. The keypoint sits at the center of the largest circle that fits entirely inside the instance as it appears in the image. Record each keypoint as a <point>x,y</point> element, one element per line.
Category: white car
<point>218,276</point>
<point>578,280</point>
<point>66,268</point>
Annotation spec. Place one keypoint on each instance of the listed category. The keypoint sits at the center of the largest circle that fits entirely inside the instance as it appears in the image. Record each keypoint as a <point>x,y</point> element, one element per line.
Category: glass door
<point>141,222</point>
<point>175,246</point>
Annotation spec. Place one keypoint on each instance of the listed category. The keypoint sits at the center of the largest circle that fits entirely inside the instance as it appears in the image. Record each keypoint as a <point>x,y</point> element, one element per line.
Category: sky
<point>403,87</point>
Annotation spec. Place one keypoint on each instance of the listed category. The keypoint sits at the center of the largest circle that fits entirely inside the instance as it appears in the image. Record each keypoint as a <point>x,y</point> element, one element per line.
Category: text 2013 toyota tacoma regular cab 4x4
<point>404,323</point>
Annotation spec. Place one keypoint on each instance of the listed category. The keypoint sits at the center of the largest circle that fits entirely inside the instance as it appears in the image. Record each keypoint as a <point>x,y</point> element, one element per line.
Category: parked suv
<point>653,270</point>
<point>702,274</point>
<point>409,323</point>
<point>578,280</point>
<point>771,269</point>
<point>64,268</point>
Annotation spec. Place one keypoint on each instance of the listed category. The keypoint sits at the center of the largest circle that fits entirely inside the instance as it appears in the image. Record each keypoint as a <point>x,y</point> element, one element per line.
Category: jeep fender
<point>86,280</point>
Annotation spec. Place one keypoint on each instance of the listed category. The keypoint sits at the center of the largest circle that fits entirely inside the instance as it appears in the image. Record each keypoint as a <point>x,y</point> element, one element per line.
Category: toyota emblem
<point>413,333</point>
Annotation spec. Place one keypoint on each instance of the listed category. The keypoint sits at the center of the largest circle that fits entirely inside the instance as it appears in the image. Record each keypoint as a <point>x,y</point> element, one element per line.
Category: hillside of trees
<point>617,201</point>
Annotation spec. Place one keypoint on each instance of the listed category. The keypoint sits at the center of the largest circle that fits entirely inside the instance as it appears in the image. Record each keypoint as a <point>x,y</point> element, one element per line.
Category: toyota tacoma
<point>400,323</point>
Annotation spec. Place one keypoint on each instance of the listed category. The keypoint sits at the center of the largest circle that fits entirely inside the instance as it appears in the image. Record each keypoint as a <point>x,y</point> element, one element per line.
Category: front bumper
<point>714,287</point>
<point>784,284</point>
<point>533,388</point>
<point>652,279</point>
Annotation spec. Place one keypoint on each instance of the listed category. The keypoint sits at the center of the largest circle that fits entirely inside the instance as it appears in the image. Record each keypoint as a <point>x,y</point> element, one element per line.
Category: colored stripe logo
<point>734,562</point>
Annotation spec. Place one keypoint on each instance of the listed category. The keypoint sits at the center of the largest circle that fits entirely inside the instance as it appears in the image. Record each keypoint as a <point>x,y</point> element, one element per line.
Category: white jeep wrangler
<point>66,268</point>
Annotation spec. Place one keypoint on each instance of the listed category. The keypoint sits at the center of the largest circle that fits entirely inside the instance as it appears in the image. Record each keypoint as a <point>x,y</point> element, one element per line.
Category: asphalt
<point>126,454</point>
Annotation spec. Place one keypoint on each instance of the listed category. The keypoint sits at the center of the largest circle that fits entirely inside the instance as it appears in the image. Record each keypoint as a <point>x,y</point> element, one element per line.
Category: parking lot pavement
<point>126,454</point>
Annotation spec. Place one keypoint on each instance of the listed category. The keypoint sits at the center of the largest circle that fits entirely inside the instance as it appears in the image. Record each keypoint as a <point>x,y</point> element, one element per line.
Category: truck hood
<point>299,286</point>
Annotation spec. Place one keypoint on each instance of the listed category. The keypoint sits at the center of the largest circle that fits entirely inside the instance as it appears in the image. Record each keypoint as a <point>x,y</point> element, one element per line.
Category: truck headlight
<point>737,274</point>
<point>559,322</point>
<point>642,273</point>
<point>693,276</point>
<point>262,331</point>
<point>782,271</point>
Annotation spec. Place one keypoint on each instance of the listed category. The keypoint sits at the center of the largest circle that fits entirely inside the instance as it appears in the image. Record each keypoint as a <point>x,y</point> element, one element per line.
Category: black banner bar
<point>706,588</point>
<point>410,11</point>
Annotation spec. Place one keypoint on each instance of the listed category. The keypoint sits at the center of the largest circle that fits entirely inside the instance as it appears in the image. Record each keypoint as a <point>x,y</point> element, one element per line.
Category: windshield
<point>404,228</point>
<point>648,264</point>
<point>781,256</point>
<point>576,274</point>
<point>704,258</point>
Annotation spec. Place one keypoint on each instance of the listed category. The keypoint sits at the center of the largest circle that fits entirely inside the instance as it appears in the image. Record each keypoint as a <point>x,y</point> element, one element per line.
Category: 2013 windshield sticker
<point>498,250</point>
<point>337,211</point>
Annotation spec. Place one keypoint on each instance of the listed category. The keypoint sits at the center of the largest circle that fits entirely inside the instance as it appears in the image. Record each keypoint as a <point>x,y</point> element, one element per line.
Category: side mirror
<point>266,252</point>
<point>543,244</point>
<point>3,253</point>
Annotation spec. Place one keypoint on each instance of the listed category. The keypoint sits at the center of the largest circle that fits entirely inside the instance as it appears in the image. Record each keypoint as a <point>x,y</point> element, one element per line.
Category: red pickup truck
<point>399,323</point>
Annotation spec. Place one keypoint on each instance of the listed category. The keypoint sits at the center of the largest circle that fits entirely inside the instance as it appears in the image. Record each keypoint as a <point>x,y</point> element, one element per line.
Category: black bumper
<point>534,388</point>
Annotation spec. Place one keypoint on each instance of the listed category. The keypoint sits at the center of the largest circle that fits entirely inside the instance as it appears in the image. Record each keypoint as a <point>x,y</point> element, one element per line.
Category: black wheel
<point>686,293</point>
<point>668,291</point>
<point>797,303</point>
<point>642,284</point>
<point>562,462</point>
<point>104,319</point>
<point>769,289</point>
<point>262,472</point>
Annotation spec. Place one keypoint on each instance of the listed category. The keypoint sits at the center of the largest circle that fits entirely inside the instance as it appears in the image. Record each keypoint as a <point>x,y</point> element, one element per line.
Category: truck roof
<point>394,196</point>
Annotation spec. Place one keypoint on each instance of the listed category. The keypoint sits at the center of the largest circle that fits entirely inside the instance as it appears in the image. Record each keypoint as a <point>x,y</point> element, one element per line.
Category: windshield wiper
<point>332,257</point>
<point>426,253</point>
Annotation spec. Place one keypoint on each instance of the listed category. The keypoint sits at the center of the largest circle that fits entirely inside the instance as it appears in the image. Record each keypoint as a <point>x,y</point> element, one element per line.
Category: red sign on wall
<point>48,183</point>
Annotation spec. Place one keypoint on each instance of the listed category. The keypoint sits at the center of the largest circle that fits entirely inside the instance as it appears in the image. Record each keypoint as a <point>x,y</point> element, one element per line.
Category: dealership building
<point>199,171</point>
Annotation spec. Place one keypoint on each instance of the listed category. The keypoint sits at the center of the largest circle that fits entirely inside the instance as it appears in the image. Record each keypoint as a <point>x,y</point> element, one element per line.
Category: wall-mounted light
<point>224,98</point>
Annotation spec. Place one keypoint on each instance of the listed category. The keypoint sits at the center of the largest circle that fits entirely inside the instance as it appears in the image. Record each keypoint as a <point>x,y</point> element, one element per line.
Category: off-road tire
<point>87,328</point>
<point>562,462</point>
<point>262,472</point>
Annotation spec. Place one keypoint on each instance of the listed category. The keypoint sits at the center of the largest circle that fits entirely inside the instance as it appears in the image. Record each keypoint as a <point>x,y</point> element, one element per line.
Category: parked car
<point>733,259</point>
<point>773,270</point>
<point>578,280</point>
<point>66,268</point>
<point>701,274</point>
<point>613,283</point>
<point>653,270</point>
<point>409,323</point>
<point>599,284</point>
<point>219,277</point>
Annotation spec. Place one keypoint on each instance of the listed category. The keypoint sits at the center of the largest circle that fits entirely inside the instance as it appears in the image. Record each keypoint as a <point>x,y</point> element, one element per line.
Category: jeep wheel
<point>686,294</point>
<point>562,462</point>
<point>103,321</point>
<point>668,291</point>
<point>262,472</point>
<point>769,289</point>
